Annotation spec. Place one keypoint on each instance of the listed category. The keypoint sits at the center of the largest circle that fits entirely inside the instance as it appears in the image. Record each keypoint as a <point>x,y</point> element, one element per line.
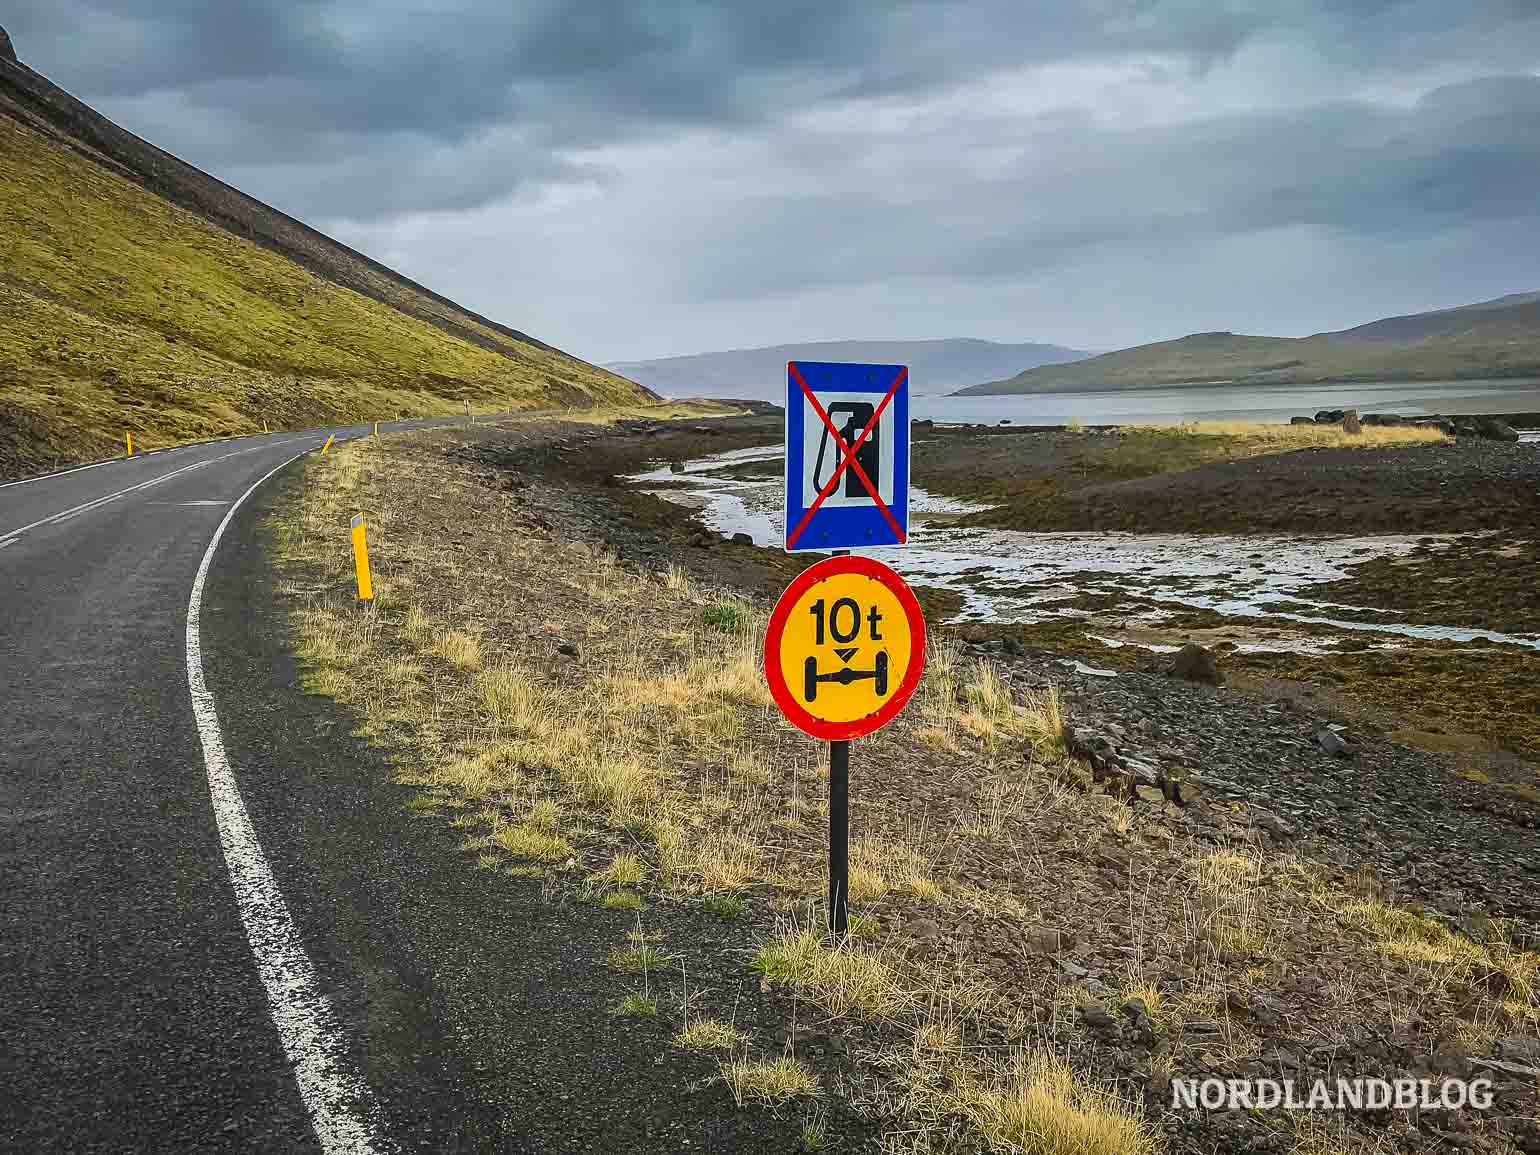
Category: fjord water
<point>1171,405</point>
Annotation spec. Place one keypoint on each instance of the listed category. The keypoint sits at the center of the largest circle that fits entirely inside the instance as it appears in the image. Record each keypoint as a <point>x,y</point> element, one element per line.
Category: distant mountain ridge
<point>1489,339</point>
<point>934,365</point>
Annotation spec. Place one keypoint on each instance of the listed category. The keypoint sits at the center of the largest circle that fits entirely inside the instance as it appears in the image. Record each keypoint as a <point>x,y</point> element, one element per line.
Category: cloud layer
<point>631,179</point>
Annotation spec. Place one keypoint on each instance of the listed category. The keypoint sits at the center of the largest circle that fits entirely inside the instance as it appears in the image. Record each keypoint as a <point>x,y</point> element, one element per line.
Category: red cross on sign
<point>848,455</point>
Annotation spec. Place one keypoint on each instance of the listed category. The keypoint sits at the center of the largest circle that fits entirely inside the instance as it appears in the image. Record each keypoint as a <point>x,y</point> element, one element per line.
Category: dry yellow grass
<point>708,1034</point>
<point>1042,1108</point>
<point>1301,436</point>
<point>459,648</point>
<point>659,739</point>
<point>769,1080</point>
<point>844,978</point>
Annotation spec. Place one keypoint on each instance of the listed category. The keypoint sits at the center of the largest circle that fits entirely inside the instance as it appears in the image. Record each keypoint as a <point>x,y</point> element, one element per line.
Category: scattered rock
<point>1520,1050</point>
<point>1195,663</point>
<point>922,929</point>
<point>567,648</point>
<point>1302,421</point>
<point>1335,741</point>
<point>1351,423</point>
<point>1047,940</point>
<point>1494,430</point>
<point>676,467</point>
<point>1277,827</point>
<point>1097,1017</point>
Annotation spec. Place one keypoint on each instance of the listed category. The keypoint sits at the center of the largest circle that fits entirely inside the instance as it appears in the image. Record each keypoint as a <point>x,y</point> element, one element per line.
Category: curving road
<point>133,1016</point>
<point>221,929</point>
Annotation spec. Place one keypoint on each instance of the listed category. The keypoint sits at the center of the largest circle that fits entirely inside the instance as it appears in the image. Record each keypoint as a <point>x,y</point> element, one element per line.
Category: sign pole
<point>839,828</point>
<point>839,838</point>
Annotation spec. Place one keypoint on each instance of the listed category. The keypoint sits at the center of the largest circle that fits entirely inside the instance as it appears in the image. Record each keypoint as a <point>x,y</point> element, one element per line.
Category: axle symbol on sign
<point>811,676</point>
<point>842,622</point>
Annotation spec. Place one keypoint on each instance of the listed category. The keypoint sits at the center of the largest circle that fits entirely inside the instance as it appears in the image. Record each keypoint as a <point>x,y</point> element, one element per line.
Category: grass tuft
<point>1044,1109</point>
<point>708,1034</point>
<point>636,1004</point>
<point>769,1081</point>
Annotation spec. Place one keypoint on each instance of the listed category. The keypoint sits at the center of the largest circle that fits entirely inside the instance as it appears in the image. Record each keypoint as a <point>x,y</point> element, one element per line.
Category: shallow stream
<point>1013,576</point>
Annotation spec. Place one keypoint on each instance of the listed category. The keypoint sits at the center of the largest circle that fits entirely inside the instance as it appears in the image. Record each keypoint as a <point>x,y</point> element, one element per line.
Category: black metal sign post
<point>839,837</point>
<point>839,829</point>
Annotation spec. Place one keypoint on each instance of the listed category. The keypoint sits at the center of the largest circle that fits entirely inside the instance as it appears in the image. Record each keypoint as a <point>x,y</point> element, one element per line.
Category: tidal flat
<point>1392,584</point>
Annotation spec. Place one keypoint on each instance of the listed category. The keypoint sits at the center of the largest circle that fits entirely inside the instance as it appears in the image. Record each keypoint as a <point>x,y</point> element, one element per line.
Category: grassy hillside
<point>1494,339</point>
<point>119,310</point>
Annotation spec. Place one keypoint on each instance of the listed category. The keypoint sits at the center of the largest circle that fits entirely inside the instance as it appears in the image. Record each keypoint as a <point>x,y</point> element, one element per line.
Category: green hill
<point>1499,338</point>
<point>121,310</point>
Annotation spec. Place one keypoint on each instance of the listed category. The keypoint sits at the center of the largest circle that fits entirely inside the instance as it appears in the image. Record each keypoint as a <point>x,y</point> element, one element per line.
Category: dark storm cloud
<point>1388,121</point>
<point>1464,154</point>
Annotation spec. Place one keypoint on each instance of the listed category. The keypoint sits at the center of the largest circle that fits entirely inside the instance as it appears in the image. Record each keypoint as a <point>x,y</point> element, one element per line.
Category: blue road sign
<point>847,455</point>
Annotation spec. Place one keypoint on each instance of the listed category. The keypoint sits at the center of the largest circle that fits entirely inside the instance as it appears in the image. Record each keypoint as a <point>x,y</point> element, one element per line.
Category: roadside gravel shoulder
<point>478,1004</point>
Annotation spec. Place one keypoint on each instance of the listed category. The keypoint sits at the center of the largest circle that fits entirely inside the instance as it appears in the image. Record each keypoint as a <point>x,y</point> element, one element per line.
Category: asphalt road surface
<point>137,1013</point>
<point>220,926</point>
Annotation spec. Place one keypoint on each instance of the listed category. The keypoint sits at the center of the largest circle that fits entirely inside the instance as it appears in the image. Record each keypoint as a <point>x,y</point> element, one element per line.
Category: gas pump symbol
<point>857,414</point>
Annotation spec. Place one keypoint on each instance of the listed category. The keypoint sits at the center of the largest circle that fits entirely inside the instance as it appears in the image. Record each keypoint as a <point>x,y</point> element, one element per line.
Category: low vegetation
<point>616,738</point>
<point>121,312</point>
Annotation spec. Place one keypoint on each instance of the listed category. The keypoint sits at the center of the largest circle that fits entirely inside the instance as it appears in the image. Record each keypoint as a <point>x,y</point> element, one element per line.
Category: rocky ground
<point>1186,881</point>
<point>1156,481</point>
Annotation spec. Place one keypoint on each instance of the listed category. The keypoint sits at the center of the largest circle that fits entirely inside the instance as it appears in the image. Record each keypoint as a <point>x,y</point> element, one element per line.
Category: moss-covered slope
<point>120,310</point>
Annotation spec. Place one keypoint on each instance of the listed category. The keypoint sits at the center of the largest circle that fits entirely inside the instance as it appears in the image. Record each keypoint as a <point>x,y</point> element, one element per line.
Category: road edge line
<point>339,1102</point>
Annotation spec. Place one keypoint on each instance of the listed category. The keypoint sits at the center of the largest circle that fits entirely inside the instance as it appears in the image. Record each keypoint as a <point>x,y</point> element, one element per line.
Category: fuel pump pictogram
<point>857,415</point>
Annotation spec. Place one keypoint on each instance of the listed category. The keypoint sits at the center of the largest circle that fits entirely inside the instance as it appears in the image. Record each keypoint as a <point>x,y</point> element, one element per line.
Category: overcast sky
<point>630,179</point>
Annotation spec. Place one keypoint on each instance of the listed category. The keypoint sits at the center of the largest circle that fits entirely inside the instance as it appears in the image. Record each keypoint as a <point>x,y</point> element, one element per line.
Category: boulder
<point>1329,417</point>
<point>743,539</point>
<point>1336,741</point>
<point>1195,663</point>
<point>1301,420</point>
<point>1351,423</point>
<point>1464,427</point>
<point>1383,419</point>
<point>676,467</point>
<point>1494,430</point>
<point>7,52</point>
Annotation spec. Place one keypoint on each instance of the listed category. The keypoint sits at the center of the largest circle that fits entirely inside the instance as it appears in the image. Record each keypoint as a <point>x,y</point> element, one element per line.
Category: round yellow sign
<point>845,648</point>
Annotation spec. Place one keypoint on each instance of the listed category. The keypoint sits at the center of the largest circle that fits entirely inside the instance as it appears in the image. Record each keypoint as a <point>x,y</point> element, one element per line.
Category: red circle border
<point>794,711</point>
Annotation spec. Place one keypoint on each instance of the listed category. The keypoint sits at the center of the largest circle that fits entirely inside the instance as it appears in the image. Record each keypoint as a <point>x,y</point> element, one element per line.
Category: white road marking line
<point>62,472</point>
<point>341,1106</point>
<point>87,506</point>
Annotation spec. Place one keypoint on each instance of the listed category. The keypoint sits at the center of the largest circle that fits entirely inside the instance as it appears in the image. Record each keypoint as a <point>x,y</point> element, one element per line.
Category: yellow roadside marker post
<point>328,444</point>
<point>128,439</point>
<point>361,560</point>
<point>376,428</point>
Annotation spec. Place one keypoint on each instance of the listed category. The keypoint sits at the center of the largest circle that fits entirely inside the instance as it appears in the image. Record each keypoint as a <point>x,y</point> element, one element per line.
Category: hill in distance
<point>934,366</point>
<point>1498,338</point>
<point>138,293</point>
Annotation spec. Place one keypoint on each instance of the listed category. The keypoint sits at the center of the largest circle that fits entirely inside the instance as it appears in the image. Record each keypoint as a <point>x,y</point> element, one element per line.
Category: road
<point>221,926</point>
<point>133,1015</point>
